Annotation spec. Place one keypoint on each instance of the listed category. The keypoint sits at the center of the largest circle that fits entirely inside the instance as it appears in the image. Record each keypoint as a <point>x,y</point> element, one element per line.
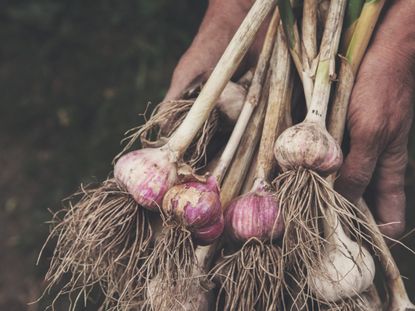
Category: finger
<point>366,136</point>
<point>389,182</point>
<point>357,169</point>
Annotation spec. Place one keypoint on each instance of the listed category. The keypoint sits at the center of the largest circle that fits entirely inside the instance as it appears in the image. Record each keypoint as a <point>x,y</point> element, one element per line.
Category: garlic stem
<point>363,31</point>
<point>309,31</point>
<point>223,71</point>
<point>250,176</point>
<point>235,176</point>
<point>354,7</point>
<point>293,37</point>
<point>309,41</point>
<point>328,50</point>
<point>251,100</point>
<point>279,101</point>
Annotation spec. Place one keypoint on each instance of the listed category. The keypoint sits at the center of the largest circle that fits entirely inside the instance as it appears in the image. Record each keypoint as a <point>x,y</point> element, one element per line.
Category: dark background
<point>74,76</point>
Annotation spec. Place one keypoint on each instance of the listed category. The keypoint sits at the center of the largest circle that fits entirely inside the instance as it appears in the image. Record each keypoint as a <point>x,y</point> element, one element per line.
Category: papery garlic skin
<point>255,214</point>
<point>197,206</point>
<point>310,146</point>
<point>348,270</point>
<point>147,174</point>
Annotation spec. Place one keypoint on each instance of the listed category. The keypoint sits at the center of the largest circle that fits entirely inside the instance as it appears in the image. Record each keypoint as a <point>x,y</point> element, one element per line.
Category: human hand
<point>380,117</point>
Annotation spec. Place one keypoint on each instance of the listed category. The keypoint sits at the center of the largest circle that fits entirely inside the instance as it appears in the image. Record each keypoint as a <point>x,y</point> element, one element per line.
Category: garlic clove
<point>310,146</point>
<point>147,174</point>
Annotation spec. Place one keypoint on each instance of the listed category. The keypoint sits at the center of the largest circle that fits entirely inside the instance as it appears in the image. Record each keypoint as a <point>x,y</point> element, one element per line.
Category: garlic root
<point>101,240</point>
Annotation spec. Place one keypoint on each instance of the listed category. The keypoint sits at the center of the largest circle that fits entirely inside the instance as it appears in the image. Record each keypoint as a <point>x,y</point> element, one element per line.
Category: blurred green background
<point>74,76</point>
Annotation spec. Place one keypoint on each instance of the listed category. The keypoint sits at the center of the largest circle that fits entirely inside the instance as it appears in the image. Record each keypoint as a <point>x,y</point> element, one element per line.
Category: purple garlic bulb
<point>197,207</point>
<point>310,146</point>
<point>255,214</point>
<point>147,174</point>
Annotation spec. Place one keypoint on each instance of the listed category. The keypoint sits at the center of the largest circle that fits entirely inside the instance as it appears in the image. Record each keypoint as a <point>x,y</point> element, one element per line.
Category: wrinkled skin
<point>380,113</point>
<point>380,117</point>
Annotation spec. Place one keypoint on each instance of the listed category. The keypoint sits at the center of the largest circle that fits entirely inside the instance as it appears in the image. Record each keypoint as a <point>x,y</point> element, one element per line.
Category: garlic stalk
<point>354,55</point>
<point>295,46</point>
<point>254,218</point>
<point>309,44</point>
<point>309,31</point>
<point>219,77</point>
<point>354,7</point>
<point>251,100</point>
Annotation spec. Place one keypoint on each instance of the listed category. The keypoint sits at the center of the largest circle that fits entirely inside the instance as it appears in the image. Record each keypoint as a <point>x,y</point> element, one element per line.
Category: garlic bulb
<point>348,268</point>
<point>147,174</point>
<point>197,207</point>
<point>255,214</point>
<point>308,145</point>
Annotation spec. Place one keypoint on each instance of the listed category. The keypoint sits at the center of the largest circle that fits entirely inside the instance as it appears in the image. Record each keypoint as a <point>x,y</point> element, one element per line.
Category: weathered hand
<point>379,119</point>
